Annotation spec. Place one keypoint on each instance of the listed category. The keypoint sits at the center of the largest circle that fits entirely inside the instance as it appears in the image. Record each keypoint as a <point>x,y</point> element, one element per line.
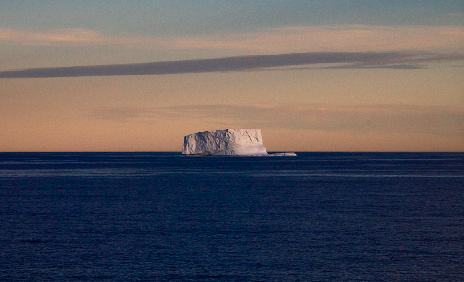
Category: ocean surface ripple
<point>167,217</point>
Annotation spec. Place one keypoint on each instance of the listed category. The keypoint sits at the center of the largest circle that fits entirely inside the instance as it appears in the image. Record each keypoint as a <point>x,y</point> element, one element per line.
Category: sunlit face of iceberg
<point>228,142</point>
<point>224,142</point>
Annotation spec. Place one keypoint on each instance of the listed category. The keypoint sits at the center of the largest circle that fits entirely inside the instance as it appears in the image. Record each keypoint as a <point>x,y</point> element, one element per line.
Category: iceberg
<point>227,142</point>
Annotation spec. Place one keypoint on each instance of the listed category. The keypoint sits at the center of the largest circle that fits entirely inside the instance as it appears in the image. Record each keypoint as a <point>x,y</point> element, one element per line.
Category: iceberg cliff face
<point>227,142</point>
<point>233,142</point>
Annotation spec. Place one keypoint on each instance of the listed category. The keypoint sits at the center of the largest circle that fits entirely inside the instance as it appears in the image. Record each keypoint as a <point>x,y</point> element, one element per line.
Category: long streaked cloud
<point>405,60</point>
<point>338,38</point>
<point>415,119</point>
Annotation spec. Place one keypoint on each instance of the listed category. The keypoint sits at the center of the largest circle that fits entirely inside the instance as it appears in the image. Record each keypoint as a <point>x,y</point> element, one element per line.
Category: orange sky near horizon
<point>311,110</point>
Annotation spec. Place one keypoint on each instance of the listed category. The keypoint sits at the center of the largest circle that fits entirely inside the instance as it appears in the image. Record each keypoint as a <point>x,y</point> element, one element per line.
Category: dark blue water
<point>166,217</point>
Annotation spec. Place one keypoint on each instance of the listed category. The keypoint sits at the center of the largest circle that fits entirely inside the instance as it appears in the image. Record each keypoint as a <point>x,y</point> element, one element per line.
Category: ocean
<point>167,217</point>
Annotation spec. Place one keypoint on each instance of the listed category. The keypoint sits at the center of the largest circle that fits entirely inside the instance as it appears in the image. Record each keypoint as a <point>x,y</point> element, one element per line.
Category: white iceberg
<point>227,142</point>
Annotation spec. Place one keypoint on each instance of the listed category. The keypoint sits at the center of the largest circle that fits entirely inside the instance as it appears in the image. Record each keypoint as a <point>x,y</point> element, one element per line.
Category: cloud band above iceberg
<point>405,60</point>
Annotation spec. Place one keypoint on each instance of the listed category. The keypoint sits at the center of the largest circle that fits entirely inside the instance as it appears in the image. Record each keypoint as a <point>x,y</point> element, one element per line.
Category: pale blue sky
<point>180,17</point>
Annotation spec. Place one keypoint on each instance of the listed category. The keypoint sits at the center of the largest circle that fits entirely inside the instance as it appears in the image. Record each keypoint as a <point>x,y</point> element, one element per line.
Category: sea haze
<point>167,217</point>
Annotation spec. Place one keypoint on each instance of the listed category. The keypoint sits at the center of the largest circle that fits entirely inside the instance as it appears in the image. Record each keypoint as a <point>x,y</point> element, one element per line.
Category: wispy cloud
<point>413,119</point>
<point>74,37</point>
<point>435,120</point>
<point>338,38</point>
<point>353,38</point>
<point>242,63</point>
<point>119,114</point>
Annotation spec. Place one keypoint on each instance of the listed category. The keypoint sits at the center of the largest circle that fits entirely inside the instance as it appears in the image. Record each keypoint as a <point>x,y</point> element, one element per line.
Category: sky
<point>322,75</point>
